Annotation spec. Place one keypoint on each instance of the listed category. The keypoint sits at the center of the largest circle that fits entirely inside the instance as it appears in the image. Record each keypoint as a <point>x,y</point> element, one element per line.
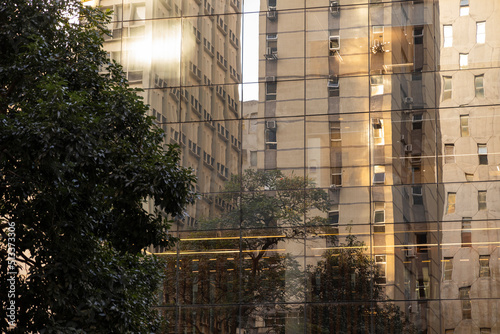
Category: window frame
<point>481,32</point>
<point>447,36</point>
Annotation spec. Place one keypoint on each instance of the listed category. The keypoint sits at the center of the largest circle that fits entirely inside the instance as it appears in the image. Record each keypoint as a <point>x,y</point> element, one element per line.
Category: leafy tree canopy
<point>78,159</point>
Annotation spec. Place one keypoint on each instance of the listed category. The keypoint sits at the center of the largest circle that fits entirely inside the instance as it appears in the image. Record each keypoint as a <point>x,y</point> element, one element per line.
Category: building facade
<point>357,193</point>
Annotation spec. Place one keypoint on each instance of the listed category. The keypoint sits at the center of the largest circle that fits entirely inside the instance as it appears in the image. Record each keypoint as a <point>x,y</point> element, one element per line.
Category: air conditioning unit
<point>410,252</point>
<point>335,186</point>
<point>271,53</point>
<point>270,124</point>
<point>272,14</point>
<point>270,79</point>
<point>334,7</point>
<point>408,148</point>
<point>408,100</point>
<point>334,43</point>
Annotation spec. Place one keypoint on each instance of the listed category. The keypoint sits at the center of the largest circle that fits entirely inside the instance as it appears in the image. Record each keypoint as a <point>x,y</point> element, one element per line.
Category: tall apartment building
<point>388,108</point>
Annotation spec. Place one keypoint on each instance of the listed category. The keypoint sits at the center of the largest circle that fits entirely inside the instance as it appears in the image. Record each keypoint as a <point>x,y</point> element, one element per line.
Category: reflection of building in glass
<point>186,56</point>
<point>371,151</point>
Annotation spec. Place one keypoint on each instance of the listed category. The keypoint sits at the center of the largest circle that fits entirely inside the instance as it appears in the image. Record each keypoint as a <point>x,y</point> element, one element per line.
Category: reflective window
<point>447,88</point>
<point>464,125</point>
<point>448,36</point>
<point>449,152</point>
<point>482,152</point>
<point>480,32</point>
<point>478,85</point>
<point>451,202</point>
<point>466,305</point>
<point>464,60</point>
<point>481,200</point>
<point>464,7</point>
<point>484,266</point>
<point>447,268</point>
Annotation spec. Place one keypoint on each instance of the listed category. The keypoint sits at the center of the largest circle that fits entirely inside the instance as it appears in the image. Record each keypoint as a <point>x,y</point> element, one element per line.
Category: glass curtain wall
<point>348,179</point>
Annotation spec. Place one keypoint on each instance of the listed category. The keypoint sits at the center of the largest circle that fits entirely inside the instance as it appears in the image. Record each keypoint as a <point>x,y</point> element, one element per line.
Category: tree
<point>78,160</point>
<point>270,204</point>
<point>347,297</point>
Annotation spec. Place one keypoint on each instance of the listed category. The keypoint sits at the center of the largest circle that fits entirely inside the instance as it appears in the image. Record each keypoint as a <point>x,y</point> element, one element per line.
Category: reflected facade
<point>357,193</point>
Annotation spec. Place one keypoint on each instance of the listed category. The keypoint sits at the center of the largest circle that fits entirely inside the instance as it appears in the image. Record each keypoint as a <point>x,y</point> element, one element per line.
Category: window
<point>271,3</point>
<point>466,306</point>
<point>418,35</point>
<point>253,158</point>
<point>464,7</point>
<point>464,60</point>
<point>335,135</point>
<point>416,192</point>
<point>479,85</point>
<point>271,90</point>
<point>333,86</point>
<point>451,202</point>
<point>449,331</point>
<point>464,125</point>
<point>481,32</point>
<point>377,85</point>
<point>416,121</point>
<point>485,331</point>
<point>381,265</point>
<point>379,217</point>
<point>466,232</point>
<point>448,36</point>
<point>270,135</point>
<point>333,217</point>
<point>378,131</point>
<point>336,176</point>
<point>378,174</point>
<point>484,266</point>
<point>482,152</point>
<point>469,177</point>
<point>334,43</point>
<point>481,200</point>
<point>447,268</point>
<point>447,88</point>
<point>271,46</point>
<point>449,153</point>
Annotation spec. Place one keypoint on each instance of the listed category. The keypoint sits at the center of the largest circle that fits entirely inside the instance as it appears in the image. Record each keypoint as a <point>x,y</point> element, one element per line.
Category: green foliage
<point>78,159</point>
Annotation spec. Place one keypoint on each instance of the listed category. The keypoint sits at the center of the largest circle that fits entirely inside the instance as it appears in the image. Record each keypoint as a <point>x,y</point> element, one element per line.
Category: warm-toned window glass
<point>378,131</point>
<point>336,176</point>
<point>271,90</point>
<point>448,36</point>
<point>422,246</point>
<point>485,331</point>
<point>466,306</point>
<point>484,266</point>
<point>480,32</point>
<point>449,331</point>
<point>447,88</point>
<point>482,152</point>
<point>466,232</point>
<point>464,7</point>
<point>378,174</point>
<point>447,268</point>
<point>464,125</point>
<point>451,202</point>
<point>381,264</point>
<point>469,177</point>
<point>377,85</point>
<point>449,153</point>
<point>335,135</point>
<point>481,200</point>
<point>464,60</point>
<point>479,85</point>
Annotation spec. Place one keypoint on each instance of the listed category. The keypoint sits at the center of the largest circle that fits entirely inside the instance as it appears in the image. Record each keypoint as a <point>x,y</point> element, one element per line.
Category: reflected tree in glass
<point>346,296</point>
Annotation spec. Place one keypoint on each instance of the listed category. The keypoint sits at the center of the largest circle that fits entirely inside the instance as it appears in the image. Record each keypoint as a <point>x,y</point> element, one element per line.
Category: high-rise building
<point>358,193</point>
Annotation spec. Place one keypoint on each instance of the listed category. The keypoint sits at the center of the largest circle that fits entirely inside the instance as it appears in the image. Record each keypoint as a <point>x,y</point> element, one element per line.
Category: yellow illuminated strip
<point>235,238</point>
